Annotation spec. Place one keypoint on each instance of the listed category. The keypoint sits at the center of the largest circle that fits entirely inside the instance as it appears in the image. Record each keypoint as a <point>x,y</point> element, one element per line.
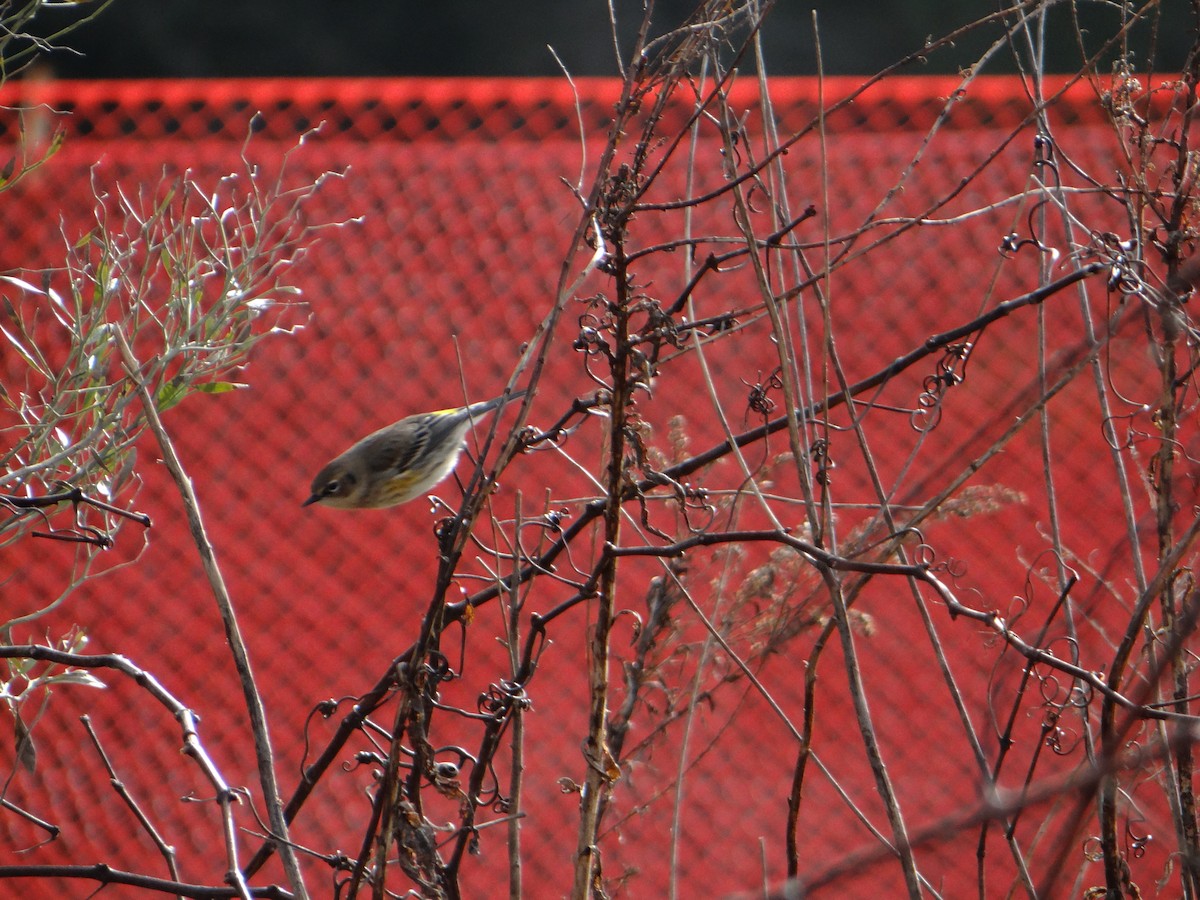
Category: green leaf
<point>56,142</point>
<point>220,387</point>
<point>77,677</point>
<point>23,285</point>
<point>171,393</point>
<point>33,361</point>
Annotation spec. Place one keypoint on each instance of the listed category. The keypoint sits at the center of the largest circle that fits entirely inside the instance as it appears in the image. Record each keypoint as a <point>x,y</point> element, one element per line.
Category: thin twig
<point>241,657</point>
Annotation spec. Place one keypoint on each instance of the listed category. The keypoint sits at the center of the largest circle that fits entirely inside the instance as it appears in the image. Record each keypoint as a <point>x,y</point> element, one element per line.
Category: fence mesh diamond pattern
<point>458,210</point>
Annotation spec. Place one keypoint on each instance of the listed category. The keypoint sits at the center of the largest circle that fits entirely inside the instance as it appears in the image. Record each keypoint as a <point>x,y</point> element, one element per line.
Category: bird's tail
<point>475,410</point>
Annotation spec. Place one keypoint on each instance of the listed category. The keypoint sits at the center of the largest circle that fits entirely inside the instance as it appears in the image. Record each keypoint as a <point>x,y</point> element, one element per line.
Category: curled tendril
<point>695,500</point>
<point>1121,255</point>
<point>925,556</point>
<point>1073,645</point>
<point>1108,429</point>
<point>1017,608</point>
<point>1122,278</point>
<point>502,805</point>
<point>489,794</point>
<point>734,145</point>
<point>822,462</point>
<point>951,371</point>
<point>759,400</point>
<point>591,340</point>
<point>1135,841</point>
<point>1012,243</point>
<point>364,758</point>
<point>1061,741</point>
<point>1051,689</point>
<point>951,567</point>
<point>437,667</point>
<point>500,699</point>
<point>555,518</point>
<point>927,416</point>
<point>1082,695</point>
<point>690,500</point>
<point>1044,145</point>
<point>645,518</point>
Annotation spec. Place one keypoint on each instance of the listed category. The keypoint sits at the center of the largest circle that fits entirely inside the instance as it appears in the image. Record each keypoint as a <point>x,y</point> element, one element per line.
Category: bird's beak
<point>311,500</point>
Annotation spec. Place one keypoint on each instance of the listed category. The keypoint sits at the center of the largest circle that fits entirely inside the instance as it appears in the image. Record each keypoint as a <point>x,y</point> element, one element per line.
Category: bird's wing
<point>397,451</point>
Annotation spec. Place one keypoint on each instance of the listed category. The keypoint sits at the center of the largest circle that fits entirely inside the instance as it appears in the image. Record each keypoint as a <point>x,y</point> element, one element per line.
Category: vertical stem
<point>517,777</point>
<point>1163,481</point>
<point>602,768</point>
<point>1175,616</point>
<point>866,728</point>
<point>241,657</point>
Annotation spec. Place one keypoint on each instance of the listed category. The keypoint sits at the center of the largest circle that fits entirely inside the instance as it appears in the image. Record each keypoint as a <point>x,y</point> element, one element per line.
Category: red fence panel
<point>464,222</point>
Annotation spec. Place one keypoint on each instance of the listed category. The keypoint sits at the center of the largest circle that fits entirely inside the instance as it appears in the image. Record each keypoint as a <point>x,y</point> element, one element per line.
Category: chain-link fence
<point>463,193</point>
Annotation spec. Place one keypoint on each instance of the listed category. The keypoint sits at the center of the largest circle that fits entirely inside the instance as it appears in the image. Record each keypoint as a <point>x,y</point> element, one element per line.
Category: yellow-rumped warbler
<point>401,462</point>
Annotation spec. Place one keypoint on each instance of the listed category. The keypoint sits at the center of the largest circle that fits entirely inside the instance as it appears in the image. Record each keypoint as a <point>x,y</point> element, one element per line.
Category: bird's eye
<point>340,487</point>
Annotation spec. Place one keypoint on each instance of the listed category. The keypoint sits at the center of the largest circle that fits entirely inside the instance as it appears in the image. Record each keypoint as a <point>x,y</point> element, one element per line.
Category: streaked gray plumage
<point>400,462</point>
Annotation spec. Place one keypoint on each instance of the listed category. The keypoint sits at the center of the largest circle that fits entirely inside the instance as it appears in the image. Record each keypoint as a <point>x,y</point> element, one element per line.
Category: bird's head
<point>337,485</point>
